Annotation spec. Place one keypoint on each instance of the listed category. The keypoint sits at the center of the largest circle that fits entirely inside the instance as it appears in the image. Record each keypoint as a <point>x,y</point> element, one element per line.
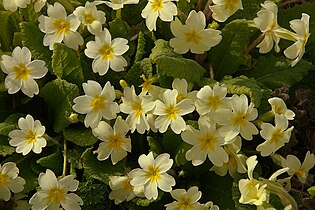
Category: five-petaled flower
<point>223,9</point>
<point>193,36</point>
<point>115,143</point>
<point>96,103</point>
<point>29,137</point>
<point>107,53</point>
<point>22,71</point>
<point>54,193</point>
<point>13,5</point>
<point>153,174</point>
<point>10,181</point>
<point>60,27</point>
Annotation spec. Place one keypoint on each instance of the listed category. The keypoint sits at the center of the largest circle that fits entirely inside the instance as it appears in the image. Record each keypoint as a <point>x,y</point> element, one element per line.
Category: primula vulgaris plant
<point>153,104</point>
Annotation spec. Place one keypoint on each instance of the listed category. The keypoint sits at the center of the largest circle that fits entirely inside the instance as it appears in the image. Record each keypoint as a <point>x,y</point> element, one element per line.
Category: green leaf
<point>145,202</point>
<point>66,64</point>
<point>80,136</point>
<point>9,124</point>
<point>53,161</point>
<point>247,86</point>
<point>59,95</point>
<point>250,8</point>
<point>28,174</point>
<point>5,148</point>
<point>228,55</point>
<point>101,170</point>
<point>218,190</point>
<point>179,68</point>
<point>119,28</point>
<point>8,25</point>
<point>29,13</point>
<point>162,48</point>
<point>32,38</point>
<point>140,47</point>
<point>155,145</point>
<point>276,72</point>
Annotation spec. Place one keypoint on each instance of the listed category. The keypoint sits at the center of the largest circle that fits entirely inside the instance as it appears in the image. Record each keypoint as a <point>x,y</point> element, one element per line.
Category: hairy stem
<point>64,169</point>
<point>255,43</point>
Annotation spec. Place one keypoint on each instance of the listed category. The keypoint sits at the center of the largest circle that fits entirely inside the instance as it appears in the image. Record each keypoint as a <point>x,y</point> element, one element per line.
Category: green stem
<point>118,13</point>
<point>64,169</point>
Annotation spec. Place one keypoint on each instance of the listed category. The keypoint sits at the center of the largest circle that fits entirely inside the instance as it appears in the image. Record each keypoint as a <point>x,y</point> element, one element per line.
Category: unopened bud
<point>123,83</point>
<point>73,118</point>
<point>214,25</point>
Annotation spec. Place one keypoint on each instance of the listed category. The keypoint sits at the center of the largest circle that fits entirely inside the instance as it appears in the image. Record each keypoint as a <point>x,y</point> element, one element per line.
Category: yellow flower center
<point>62,26</point>
<point>214,102</point>
<point>137,107</point>
<point>156,5</point>
<point>277,136</point>
<point>208,142</point>
<point>21,72</point>
<point>56,195</point>
<point>192,36</point>
<point>147,84</point>
<point>240,119</point>
<point>106,51</point>
<point>31,137</point>
<point>300,173</point>
<point>115,141</point>
<point>171,112</point>
<point>98,103</point>
<point>230,4</point>
<point>180,97</point>
<point>3,180</point>
<point>153,173</point>
<point>184,203</point>
<point>89,18</point>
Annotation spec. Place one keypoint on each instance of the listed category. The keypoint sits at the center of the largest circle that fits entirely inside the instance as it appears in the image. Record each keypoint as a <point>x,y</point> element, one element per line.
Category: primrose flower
<point>10,181</point>
<point>193,36</point>
<point>54,193</point>
<point>297,50</point>
<point>223,9</point>
<point>137,107</point>
<point>252,192</point>
<point>22,71</point>
<point>210,206</point>
<point>13,5</point>
<point>107,53</point>
<point>170,112</point>
<point>278,107</point>
<point>115,143</point>
<point>116,4</point>
<point>237,120</point>
<point>181,86</point>
<point>275,136</point>
<point>298,169</point>
<point>209,100</point>
<point>206,142</point>
<point>236,162</point>
<point>122,189</point>
<point>29,137</point>
<point>165,9</point>
<point>60,27</point>
<point>153,174</point>
<point>96,103</point>
<point>185,200</point>
<point>267,23</point>
<point>91,17</point>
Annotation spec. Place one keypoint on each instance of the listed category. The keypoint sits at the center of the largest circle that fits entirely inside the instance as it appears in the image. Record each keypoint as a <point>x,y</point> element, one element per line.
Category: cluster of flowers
<point>222,123</point>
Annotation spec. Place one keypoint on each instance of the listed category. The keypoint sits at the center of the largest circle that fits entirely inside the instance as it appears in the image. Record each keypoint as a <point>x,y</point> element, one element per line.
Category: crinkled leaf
<point>145,202</point>
<point>80,136</point>
<point>228,55</point>
<point>140,47</point>
<point>9,124</point>
<point>28,174</point>
<point>119,28</point>
<point>5,148</point>
<point>276,72</point>
<point>247,86</point>
<point>155,145</point>
<point>251,7</point>
<point>162,48</point>
<point>8,25</point>
<point>29,13</point>
<point>66,64</point>
<point>101,170</point>
<point>53,161</point>
<point>32,38</point>
<point>59,95</point>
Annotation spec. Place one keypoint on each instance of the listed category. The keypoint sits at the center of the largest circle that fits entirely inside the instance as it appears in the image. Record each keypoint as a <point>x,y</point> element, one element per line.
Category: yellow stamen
<point>214,102</point>
<point>157,5</point>
<point>21,71</point>
<point>115,141</point>
<point>184,203</point>
<point>230,4</point>
<point>171,112</point>
<point>98,103</point>
<point>56,195</point>
<point>137,107</point>
<point>208,142</point>
<point>277,136</point>
<point>153,173</point>
<point>89,18</point>
<point>240,119</point>
<point>62,26</point>
<point>31,137</point>
<point>3,180</point>
<point>106,51</point>
<point>192,36</point>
